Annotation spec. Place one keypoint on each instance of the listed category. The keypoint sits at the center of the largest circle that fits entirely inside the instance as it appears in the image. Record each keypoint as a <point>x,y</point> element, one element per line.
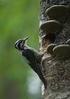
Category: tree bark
<point>55,45</point>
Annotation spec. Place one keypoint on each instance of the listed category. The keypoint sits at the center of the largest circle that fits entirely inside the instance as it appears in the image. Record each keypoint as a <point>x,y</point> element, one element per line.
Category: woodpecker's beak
<point>25,39</point>
<point>19,44</point>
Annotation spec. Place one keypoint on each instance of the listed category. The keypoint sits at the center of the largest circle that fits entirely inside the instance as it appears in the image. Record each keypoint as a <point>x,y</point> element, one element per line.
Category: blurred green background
<point>18,19</point>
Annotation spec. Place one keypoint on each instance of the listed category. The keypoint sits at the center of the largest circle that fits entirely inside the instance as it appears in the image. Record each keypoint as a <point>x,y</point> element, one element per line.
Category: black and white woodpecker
<point>33,57</point>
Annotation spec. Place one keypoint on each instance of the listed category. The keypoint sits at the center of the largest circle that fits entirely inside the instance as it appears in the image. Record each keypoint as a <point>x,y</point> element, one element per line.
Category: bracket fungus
<point>58,12</point>
<point>62,51</point>
<point>50,48</point>
<point>51,26</point>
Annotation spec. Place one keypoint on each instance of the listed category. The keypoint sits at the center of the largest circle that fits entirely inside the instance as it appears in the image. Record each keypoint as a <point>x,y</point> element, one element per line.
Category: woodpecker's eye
<point>19,44</point>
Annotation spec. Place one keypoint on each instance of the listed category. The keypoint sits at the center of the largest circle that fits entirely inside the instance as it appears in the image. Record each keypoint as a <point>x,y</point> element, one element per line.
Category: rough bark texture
<point>55,63</point>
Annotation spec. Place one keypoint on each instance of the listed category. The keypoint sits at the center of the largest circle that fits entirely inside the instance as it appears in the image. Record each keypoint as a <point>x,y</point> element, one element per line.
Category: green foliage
<point>18,19</point>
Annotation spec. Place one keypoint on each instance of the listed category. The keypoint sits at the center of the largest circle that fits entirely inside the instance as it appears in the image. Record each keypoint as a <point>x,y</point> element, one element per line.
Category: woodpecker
<point>33,57</point>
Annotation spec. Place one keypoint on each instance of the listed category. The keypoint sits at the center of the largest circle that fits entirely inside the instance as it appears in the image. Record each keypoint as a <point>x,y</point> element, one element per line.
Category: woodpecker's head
<point>19,44</point>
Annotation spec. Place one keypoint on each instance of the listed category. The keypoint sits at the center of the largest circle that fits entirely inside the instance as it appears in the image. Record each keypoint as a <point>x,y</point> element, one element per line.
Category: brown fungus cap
<point>57,12</point>
<point>62,51</point>
<point>51,26</point>
<point>50,48</point>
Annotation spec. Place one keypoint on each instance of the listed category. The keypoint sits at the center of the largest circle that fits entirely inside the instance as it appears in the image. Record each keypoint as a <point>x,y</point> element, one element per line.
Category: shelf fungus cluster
<point>56,17</point>
<point>55,44</point>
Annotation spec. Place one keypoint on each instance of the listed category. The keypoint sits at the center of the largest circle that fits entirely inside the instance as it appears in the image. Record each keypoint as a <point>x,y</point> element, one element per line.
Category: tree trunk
<point>55,44</point>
